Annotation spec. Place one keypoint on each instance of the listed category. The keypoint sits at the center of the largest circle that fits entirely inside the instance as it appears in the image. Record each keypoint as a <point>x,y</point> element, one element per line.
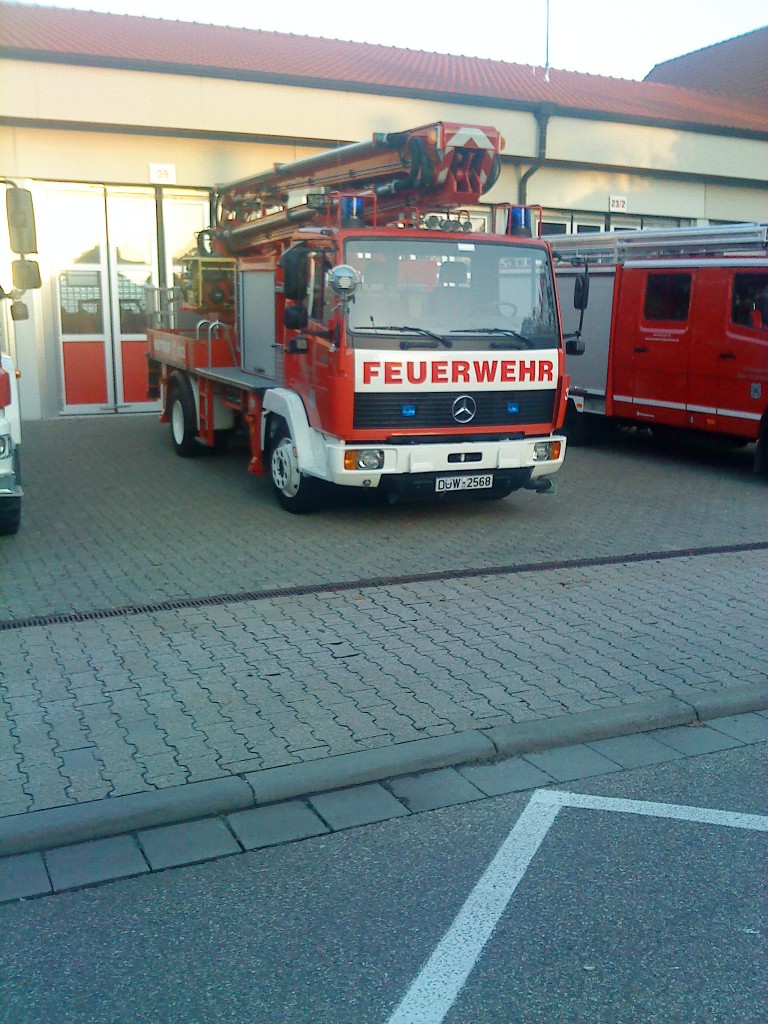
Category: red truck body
<point>676,335</point>
<point>344,314</point>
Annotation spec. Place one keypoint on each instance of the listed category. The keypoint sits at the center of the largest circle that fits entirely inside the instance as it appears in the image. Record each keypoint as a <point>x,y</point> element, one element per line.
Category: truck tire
<point>10,516</point>
<point>295,492</point>
<point>183,417</point>
<point>761,449</point>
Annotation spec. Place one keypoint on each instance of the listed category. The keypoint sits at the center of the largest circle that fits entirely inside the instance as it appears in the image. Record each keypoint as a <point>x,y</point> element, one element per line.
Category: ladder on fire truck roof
<point>444,165</point>
<point>619,246</point>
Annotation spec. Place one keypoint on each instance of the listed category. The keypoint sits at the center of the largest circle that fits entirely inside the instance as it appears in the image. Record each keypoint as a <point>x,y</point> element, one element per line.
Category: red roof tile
<point>737,66</point>
<point>84,37</point>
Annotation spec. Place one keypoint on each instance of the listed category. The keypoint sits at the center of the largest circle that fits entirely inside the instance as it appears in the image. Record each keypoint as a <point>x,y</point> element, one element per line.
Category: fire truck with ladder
<point>676,338</point>
<point>342,314</point>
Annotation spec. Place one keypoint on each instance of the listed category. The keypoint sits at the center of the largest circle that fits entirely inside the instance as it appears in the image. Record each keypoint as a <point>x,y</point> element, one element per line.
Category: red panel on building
<point>85,377</point>
<point>134,354</point>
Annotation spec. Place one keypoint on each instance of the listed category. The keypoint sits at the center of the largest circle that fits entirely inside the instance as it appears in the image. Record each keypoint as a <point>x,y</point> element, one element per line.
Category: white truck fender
<point>12,412</point>
<point>310,450</point>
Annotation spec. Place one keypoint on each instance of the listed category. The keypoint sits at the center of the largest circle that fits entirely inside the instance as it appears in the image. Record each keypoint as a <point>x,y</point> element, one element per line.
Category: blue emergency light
<point>352,210</point>
<point>519,221</point>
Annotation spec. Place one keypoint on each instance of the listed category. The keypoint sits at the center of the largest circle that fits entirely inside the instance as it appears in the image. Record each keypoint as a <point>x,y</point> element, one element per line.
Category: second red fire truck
<point>344,313</point>
<point>676,338</point>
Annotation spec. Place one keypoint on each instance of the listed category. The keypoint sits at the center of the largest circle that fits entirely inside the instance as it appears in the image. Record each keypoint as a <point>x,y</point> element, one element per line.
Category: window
<point>667,297</point>
<point>749,304</point>
<point>478,290</point>
<point>554,227</point>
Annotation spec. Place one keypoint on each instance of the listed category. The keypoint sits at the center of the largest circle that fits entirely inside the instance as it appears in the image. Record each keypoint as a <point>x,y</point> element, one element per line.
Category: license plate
<point>475,482</point>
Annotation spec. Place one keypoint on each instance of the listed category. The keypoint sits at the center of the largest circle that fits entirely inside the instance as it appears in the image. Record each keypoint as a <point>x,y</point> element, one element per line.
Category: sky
<point>600,37</point>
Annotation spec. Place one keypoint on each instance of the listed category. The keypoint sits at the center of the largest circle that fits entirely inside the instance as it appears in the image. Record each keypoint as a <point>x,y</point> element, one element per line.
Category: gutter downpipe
<point>542,113</point>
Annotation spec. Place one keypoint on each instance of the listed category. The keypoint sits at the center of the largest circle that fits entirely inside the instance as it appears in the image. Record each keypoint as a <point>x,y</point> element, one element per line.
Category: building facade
<point>121,127</point>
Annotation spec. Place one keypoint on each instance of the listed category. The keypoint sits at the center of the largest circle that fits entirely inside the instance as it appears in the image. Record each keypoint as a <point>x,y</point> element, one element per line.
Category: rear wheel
<point>295,491</point>
<point>10,516</point>
<point>583,428</point>
<point>183,417</point>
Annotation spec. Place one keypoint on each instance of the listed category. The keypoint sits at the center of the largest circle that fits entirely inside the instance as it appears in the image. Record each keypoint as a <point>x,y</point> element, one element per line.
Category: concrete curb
<point>588,726</point>
<point>60,826</point>
<point>369,766</point>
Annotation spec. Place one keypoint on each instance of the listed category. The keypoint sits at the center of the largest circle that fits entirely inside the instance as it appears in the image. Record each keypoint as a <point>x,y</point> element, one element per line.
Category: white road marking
<point>434,991</point>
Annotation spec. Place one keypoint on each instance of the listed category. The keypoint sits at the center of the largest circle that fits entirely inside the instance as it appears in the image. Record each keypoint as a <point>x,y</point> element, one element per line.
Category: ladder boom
<point>443,165</point>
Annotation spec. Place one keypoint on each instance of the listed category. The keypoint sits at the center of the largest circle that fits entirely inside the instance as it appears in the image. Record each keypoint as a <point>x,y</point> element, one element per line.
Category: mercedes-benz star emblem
<point>464,409</point>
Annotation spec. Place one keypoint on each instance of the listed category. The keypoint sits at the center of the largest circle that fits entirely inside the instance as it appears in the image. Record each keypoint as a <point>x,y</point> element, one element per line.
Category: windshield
<point>430,293</point>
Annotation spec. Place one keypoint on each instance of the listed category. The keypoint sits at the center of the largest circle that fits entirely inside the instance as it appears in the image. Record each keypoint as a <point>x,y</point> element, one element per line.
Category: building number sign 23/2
<point>618,204</point>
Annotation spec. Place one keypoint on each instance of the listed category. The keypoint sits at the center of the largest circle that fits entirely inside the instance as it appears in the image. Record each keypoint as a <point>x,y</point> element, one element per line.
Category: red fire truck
<point>676,338</point>
<point>343,313</point>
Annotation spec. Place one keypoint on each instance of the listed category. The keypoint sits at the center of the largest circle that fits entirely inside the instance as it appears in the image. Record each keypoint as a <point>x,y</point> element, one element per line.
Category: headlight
<point>364,458</point>
<point>6,445</point>
<point>546,451</point>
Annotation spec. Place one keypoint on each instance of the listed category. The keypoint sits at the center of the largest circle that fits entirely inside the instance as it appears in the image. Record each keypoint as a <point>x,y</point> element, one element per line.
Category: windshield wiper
<point>408,329</point>
<point>506,331</point>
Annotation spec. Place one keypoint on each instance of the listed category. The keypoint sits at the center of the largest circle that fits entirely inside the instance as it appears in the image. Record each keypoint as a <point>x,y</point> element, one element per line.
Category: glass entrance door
<point>79,248</point>
<point>132,242</point>
<point>107,247</point>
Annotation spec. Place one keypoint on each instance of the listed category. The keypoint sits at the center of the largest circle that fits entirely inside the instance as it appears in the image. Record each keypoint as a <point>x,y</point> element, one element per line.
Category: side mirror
<point>296,317</point>
<point>21,220</point>
<point>19,311</point>
<point>581,291</point>
<point>295,264</point>
<point>575,347</point>
<point>26,275</point>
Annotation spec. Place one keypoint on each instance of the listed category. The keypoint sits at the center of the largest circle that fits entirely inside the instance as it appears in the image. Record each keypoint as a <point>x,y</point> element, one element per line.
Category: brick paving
<point>139,703</point>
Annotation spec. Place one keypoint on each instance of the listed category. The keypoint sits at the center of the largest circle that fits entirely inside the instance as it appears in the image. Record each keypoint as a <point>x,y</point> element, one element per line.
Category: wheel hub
<point>285,468</point>
<point>177,422</point>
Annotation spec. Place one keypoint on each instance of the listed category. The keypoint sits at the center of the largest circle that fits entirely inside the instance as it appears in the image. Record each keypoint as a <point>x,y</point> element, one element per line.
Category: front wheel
<point>295,492</point>
<point>10,516</point>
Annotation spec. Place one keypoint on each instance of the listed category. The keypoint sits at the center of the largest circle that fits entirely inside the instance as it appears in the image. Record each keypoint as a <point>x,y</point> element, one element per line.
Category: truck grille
<point>432,409</point>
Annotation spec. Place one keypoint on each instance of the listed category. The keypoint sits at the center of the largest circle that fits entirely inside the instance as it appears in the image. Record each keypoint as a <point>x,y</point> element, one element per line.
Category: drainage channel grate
<point>273,593</point>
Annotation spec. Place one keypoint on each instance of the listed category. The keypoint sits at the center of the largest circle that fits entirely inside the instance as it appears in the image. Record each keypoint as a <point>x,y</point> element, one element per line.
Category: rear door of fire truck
<point>651,342</point>
<point>729,352</point>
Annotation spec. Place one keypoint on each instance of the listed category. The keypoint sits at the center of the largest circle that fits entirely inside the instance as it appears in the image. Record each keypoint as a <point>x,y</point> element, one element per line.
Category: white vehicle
<point>25,274</point>
<point>10,442</point>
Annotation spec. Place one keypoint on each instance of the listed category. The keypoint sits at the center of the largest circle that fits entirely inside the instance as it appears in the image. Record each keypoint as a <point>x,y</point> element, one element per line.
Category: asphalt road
<point>618,918</point>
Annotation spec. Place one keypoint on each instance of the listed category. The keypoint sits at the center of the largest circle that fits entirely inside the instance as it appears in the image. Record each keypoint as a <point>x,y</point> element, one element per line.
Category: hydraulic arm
<point>445,165</point>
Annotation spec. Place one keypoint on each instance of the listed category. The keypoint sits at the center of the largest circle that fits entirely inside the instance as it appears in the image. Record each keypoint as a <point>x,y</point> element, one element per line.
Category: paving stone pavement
<point>141,703</point>
<point>102,709</point>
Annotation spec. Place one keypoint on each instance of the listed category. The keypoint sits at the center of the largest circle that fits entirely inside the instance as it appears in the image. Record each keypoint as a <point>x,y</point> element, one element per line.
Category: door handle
<point>641,349</point>
<point>727,355</point>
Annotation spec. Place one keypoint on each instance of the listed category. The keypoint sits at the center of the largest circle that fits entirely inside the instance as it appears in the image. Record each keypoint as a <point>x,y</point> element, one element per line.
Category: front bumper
<point>508,459</point>
<point>10,469</point>
<point>8,486</point>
